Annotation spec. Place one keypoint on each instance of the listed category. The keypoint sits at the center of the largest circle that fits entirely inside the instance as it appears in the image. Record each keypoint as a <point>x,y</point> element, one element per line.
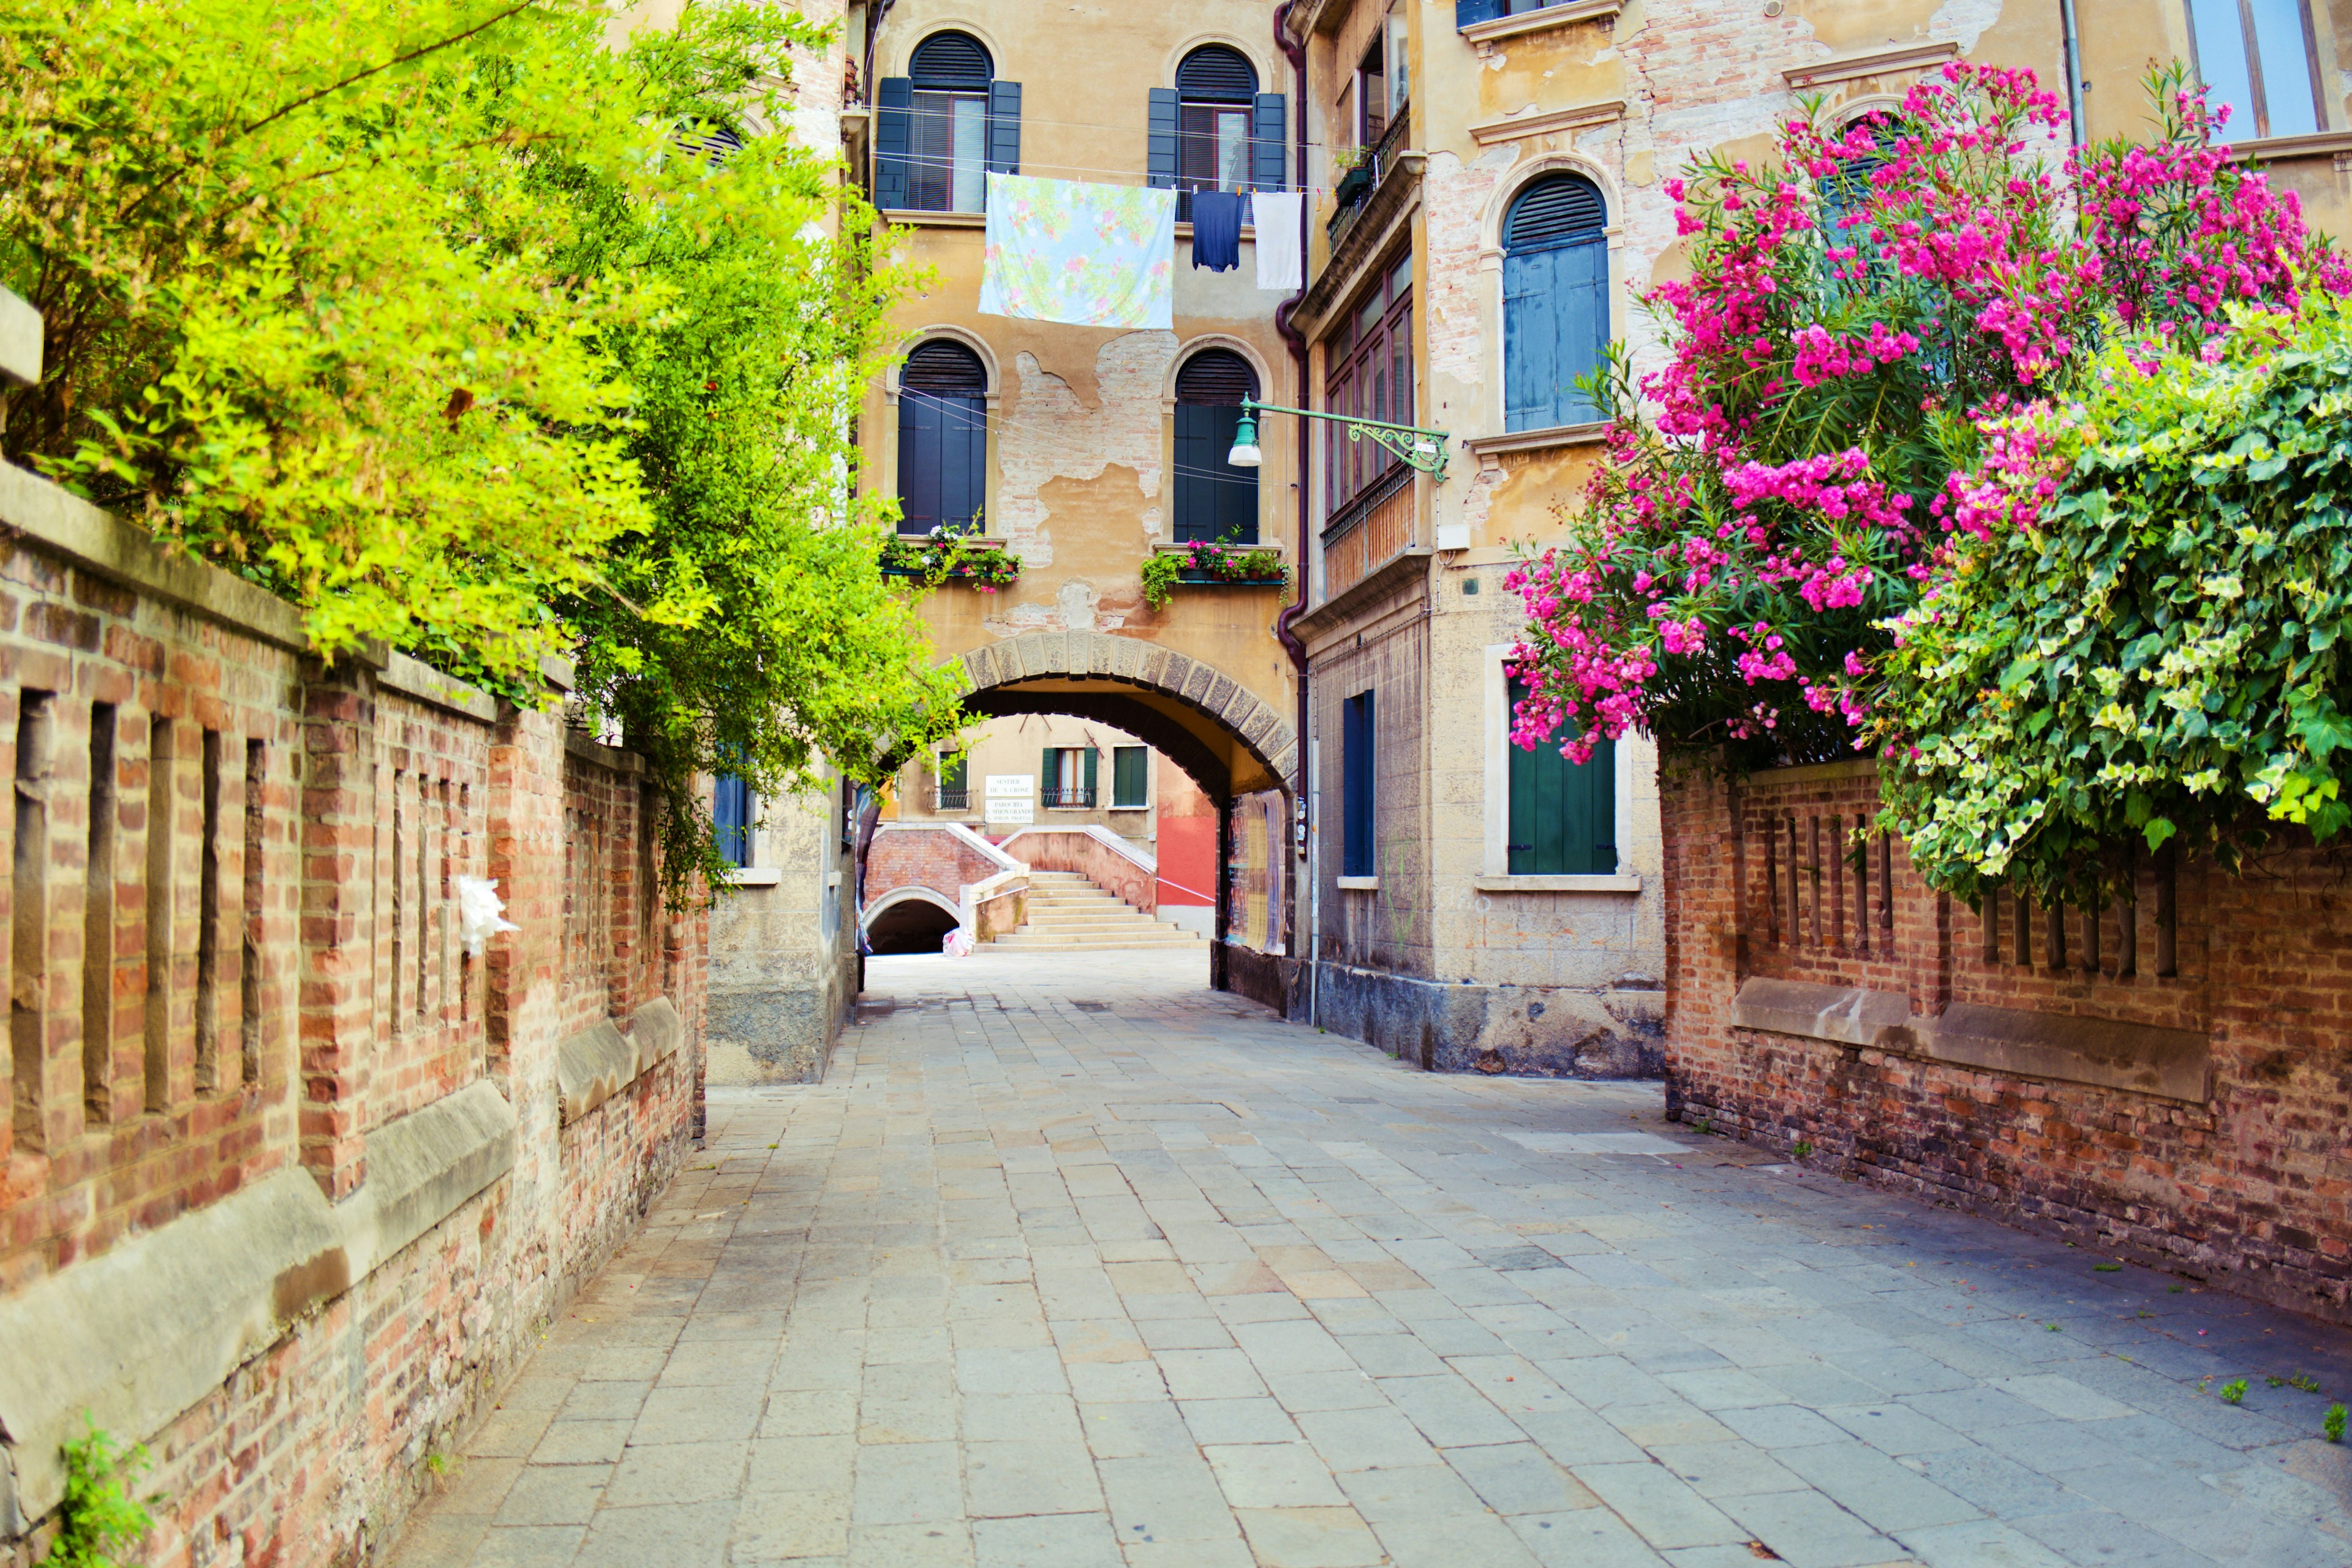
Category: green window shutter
<point>1049,776</point>
<point>1563,817</point>
<point>1088,784</point>
<point>1128,776</point>
<point>951,773</point>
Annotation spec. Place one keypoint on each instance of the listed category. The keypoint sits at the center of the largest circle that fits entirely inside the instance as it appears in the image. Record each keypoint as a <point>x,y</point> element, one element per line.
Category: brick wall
<point>2168,1078</point>
<point>908,856</point>
<point>289,1174</point>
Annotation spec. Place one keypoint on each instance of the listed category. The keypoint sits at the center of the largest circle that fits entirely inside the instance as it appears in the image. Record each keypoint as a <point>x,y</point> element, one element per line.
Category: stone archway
<point>1231,740</point>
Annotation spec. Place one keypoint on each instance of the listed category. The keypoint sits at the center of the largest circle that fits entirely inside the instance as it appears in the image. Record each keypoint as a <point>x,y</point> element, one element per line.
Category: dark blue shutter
<point>942,460</point>
<point>1004,127</point>
<point>1159,148</point>
<point>894,122</point>
<point>1269,141</point>
<point>730,818</point>
<point>1213,500</point>
<point>1355,761</point>
<point>1468,13</point>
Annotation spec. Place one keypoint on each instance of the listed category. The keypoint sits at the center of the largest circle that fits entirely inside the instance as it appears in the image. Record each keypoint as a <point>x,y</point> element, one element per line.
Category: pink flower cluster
<point>1791,497</point>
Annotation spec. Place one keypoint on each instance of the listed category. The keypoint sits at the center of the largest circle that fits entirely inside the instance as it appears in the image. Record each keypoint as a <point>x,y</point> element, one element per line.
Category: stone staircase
<point>1067,913</point>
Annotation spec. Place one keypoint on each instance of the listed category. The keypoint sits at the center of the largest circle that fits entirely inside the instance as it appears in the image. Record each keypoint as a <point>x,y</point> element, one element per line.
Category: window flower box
<point>1219,564</point>
<point>940,557</point>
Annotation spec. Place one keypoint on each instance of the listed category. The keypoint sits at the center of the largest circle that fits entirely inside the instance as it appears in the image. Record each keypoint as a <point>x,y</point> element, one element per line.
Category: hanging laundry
<point>1216,230</point>
<point>1276,216</point>
<point>1092,256</point>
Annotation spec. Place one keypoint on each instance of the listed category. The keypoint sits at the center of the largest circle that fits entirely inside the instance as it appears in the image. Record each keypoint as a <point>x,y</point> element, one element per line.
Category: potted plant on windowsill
<point>1355,169</point>
<point>958,555</point>
<point>1221,563</point>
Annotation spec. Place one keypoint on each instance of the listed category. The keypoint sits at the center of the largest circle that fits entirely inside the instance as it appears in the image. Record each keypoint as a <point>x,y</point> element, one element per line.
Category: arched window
<point>1213,131</point>
<point>1215,87</point>
<point>940,128</point>
<point>1845,199</point>
<point>1214,500</point>
<point>942,439</point>
<point>1555,302</point>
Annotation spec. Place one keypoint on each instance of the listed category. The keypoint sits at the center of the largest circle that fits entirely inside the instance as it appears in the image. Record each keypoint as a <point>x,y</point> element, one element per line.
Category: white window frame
<point>1497,877</point>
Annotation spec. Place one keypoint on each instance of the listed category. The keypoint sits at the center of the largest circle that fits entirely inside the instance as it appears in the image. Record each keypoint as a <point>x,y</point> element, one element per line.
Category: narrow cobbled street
<point>1076,1262</point>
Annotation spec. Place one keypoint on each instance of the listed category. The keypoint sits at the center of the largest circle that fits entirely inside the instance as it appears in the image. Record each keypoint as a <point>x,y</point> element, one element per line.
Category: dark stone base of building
<point>1530,1031</point>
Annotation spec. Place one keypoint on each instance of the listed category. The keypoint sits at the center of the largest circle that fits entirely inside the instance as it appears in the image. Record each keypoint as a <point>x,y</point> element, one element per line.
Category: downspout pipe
<point>1305,888</point>
<point>2074,131</point>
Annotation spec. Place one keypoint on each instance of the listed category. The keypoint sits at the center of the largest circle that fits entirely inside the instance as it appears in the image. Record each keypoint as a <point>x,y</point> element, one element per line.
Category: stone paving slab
<point>1071,1261</point>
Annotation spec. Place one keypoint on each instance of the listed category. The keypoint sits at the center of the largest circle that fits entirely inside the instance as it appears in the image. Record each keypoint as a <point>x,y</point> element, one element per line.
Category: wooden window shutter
<point>894,122</point>
<point>1355,761</point>
<point>1004,127</point>
<point>1269,141</point>
<point>1563,815</point>
<point>1159,151</point>
<point>1049,776</point>
<point>1087,782</point>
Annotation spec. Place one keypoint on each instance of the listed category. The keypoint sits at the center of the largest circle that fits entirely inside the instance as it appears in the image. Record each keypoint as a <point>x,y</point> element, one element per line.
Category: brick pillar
<point>339,884</point>
<point>1705,945</point>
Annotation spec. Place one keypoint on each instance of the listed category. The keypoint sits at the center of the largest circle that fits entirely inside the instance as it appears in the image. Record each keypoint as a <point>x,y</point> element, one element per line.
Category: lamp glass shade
<point>1244,454</point>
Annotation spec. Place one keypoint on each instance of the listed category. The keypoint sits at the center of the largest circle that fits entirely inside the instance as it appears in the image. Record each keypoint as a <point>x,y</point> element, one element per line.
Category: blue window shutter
<point>1357,857</point>
<point>1159,148</point>
<point>1468,13</point>
<point>1004,127</point>
<point>730,818</point>
<point>1555,329</point>
<point>1269,141</point>
<point>1581,272</point>
<point>894,123</point>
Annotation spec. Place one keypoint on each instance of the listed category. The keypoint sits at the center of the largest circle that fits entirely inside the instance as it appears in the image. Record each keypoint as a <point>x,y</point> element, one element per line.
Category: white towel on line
<point>1275,216</point>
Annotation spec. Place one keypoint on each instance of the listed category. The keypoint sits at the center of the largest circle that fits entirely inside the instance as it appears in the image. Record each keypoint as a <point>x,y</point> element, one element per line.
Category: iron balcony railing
<point>1071,799</point>
<point>954,800</point>
<point>1358,185</point>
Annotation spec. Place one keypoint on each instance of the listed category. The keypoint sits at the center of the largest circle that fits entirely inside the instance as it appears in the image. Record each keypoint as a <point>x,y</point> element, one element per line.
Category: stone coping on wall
<point>1103,836</point>
<point>2108,1053</point>
<point>589,749</point>
<point>53,516</point>
<point>600,1061</point>
<point>20,342</point>
<point>158,1323</point>
<point>415,677</point>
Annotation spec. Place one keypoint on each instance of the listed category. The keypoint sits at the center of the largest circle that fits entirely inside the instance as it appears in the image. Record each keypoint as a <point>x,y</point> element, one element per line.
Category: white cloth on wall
<point>1276,216</point>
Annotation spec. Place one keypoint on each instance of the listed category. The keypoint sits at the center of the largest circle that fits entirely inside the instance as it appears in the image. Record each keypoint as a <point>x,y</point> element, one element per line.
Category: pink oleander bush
<point>1866,323</point>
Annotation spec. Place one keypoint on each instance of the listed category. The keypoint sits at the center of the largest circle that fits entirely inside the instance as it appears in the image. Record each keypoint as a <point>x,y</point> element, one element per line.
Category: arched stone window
<point>1213,500</point>
<point>942,438</point>
<point>1555,302</point>
<point>942,127</point>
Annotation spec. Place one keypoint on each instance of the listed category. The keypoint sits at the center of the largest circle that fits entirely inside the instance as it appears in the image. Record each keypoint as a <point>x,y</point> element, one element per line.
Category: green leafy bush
<point>2161,656</point>
<point>97,1517</point>
<point>465,327</point>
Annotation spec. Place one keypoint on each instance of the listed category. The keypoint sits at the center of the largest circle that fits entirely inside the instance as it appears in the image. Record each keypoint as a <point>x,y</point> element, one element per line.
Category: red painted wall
<point>1188,840</point>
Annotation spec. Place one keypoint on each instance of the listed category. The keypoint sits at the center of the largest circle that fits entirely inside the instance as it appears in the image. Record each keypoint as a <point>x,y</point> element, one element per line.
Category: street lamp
<point>1420,448</point>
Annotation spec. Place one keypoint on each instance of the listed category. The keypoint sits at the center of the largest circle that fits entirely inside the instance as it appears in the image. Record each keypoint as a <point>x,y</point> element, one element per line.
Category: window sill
<point>1592,433</point>
<point>1359,884</point>
<point>1141,806</point>
<point>915,217</point>
<point>1560,16</point>
<point>1619,883</point>
<point>2269,149</point>
<point>754,876</point>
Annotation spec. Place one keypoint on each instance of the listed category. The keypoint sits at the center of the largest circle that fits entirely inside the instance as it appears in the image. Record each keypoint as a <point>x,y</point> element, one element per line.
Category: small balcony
<point>1069,799</point>
<point>951,800</point>
<point>1359,185</point>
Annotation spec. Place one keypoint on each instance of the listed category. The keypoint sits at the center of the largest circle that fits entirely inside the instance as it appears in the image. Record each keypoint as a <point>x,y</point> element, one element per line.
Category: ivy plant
<point>97,1517</point>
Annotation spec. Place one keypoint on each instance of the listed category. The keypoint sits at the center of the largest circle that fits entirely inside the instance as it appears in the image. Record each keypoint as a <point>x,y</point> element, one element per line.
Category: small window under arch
<point>1555,302</point>
<point>942,439</point>
<point>1213,500</point>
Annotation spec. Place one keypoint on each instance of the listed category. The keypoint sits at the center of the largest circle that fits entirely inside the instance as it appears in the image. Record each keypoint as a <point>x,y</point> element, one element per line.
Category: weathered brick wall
<point>291,1175</point>
<point>906,856</point>
<point>2168,1079</point>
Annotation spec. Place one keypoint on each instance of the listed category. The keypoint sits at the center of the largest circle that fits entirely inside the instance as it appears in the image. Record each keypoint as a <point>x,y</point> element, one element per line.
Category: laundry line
<point>1028,119</point>
<point>1128,175</point>
<point>1006,423</point>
